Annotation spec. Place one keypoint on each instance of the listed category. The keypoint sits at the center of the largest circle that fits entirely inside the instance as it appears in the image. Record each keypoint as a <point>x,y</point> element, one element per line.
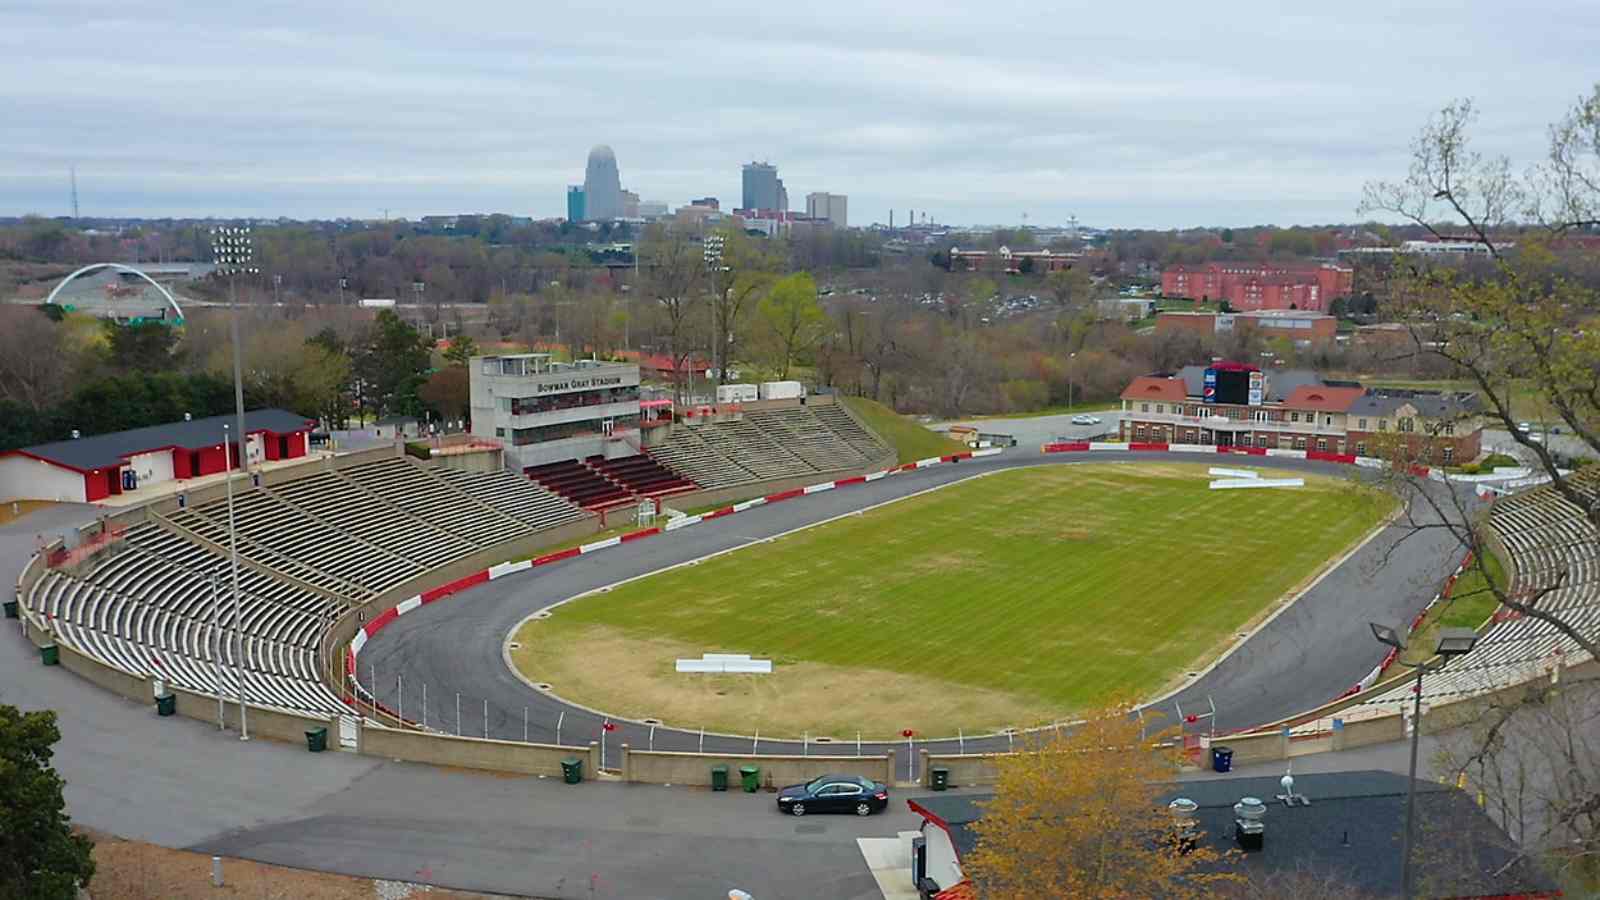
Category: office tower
<point>761,186</point>
<point>830,207</point>
<point>602,186</point>
<point>575,212</point>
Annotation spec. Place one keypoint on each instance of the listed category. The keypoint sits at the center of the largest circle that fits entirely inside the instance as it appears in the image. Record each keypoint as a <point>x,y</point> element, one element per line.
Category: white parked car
<point>1085,419</point>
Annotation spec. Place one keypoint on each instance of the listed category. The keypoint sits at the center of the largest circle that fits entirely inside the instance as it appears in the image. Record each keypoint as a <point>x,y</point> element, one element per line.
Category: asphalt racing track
<point>1308,654</point>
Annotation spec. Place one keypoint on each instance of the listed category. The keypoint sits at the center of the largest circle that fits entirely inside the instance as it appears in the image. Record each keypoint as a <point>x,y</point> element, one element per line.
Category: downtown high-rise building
<point>763,189</point>
<point>575,206</point>
<point>602,186</point>
<point>831,208</point>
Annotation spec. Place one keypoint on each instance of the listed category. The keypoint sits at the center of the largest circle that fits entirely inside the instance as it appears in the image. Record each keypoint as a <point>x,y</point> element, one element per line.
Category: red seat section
<point>578,483</point>
<point>642,475</point>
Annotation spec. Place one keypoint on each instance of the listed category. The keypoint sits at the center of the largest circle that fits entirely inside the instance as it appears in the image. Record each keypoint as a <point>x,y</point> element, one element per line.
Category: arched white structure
<point>176,309</point>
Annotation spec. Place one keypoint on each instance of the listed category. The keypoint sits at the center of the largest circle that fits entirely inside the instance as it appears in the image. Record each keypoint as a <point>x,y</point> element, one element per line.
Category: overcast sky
<point>1131,114</point>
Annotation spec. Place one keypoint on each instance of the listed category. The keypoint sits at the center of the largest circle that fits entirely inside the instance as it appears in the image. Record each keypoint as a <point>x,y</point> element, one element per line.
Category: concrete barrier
<point>966,770</point>
<point>664,767</point>
<point>1366,732</point>
<point>274,724</point>
<point>474,753</point>
<point>122,683</point>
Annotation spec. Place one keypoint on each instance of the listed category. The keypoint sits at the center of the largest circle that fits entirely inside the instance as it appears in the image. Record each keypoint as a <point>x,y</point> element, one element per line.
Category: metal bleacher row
<point>341,536</point>
<point>1552,544</point>
<point>770,443</point>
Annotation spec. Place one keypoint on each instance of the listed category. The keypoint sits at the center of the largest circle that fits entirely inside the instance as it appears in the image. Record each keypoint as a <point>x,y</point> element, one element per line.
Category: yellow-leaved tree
<point>1080,814</point>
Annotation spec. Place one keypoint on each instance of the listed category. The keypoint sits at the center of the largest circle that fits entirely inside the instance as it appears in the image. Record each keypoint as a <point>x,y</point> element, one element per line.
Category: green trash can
<point>572,770</point>
<point>750,778</point>
<point>317,740</point>
<point>11,609</point>
<point>938,778</point>
<point>719,778</point>
<point>50,654</point>
<point>166,705</point>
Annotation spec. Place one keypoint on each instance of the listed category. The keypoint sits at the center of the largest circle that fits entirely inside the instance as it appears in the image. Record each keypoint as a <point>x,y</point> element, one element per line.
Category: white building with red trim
<point>86,469</point>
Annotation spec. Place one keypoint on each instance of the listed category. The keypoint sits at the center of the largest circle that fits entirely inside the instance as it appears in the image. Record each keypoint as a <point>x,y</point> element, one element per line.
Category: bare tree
<point>34,370</point>
<point>1515,326</point>
<point>674,274</point>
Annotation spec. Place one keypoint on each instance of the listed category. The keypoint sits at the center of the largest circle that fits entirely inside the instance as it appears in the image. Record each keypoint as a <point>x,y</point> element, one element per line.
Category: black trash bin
<point>166,705</point>
<point>750,778</point>
<point>572,770</point>
<point>317,740</point>
<point>11,609</point>
<point>1221,759</point>
<point>719,778</point>
<point>938,778</point>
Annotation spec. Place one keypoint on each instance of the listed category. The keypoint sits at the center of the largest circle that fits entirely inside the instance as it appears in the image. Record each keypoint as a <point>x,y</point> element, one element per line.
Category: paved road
<point>1304,657</point>
<point>1033,431</point>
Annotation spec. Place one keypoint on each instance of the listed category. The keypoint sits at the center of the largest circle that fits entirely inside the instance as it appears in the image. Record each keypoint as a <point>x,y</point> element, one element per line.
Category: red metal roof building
<point>86,469</point>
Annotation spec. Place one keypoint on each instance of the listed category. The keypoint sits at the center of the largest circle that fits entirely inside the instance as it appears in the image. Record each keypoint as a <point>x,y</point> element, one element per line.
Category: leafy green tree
<point>392,364</point>
<point>141,347</point>
<point>462,349</point>
<point>43,859</point>
<point>794,318</point>
<point>1070,287</point>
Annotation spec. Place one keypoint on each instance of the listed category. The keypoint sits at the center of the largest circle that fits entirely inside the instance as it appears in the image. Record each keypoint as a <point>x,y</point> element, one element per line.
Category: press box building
<point>545,411</point>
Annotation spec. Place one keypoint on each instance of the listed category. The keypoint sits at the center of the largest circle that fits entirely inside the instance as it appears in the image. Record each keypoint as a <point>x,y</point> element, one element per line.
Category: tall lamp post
<point>233,249</point>
<point>1452,642</point>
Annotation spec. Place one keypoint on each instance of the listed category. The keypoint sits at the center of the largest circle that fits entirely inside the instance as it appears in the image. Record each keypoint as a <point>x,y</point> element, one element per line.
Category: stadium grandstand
<point>311,545</point>
<point>1549,548</point>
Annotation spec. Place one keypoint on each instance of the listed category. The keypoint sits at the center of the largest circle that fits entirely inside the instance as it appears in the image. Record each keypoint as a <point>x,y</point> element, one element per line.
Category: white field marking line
<point>1283,607</point>
<point>505,646</point>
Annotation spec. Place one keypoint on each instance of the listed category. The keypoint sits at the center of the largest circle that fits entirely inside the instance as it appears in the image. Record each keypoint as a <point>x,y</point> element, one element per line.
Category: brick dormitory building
<point>1295,409</point>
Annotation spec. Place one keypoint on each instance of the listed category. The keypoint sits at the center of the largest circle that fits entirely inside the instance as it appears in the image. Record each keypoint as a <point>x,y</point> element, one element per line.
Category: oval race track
<point>1305,656</point>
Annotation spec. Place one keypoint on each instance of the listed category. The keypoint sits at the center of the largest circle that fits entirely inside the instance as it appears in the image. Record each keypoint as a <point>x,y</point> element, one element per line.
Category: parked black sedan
<point>834,793</point>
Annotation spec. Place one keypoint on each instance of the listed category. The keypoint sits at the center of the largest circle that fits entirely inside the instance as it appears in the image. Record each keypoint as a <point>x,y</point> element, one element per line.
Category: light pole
<point>343,283</point>
<point>1452,642</point>
<point>233,554</point>
<point>277,282</point>
<point>233,250</point>
<point>1070,370</point>
<point>216,647</point>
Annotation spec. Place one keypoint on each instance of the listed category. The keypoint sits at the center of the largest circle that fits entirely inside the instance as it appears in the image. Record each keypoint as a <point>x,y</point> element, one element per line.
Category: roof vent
<point>76,434</point>
<point>1249,827</point>
<point>188,417</point>
<point>1185,831</point>
<point>1289,797</point>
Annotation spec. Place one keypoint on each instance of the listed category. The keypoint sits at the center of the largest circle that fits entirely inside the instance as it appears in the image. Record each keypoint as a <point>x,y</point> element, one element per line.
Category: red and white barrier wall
<point>379,622</point>
<point>1312,455</point>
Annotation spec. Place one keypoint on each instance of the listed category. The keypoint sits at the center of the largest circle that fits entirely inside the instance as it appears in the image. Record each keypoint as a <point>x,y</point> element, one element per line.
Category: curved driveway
<point>1305,656</point>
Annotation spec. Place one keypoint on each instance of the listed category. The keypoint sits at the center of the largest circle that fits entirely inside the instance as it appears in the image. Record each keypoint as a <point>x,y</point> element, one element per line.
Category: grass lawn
<point>911,441</point>
<point>1007,600</point>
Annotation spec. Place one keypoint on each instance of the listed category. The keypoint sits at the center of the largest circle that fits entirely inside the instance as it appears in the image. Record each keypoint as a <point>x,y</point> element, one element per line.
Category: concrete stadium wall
<point>275,724</point>
<point>965,770</point>
<point>118,681</point>
<point>474,753</point>
<point>663,767</point>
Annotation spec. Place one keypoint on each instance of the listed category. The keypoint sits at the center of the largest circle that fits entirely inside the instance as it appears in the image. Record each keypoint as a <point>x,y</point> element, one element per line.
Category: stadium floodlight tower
<point>233,250</point>
<point>1452,642</point>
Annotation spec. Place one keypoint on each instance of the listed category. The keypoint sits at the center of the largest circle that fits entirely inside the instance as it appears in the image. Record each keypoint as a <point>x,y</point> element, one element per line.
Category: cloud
<point>1135,114</point>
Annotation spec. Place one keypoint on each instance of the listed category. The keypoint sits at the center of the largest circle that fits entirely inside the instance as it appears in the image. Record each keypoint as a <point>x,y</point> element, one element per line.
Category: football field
<point>1006,600</point>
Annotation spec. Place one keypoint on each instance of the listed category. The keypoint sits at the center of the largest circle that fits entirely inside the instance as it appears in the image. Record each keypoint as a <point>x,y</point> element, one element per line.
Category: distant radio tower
<point>73,172</point>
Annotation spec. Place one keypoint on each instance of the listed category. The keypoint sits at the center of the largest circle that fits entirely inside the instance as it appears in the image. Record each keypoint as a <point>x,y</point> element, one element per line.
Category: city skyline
<point>1174,119</point>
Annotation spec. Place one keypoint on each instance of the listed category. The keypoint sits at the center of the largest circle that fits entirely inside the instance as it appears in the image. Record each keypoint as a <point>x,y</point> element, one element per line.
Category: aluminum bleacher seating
<point>1551,544</point>
<point>309,547</point>
<point>769,443</point>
